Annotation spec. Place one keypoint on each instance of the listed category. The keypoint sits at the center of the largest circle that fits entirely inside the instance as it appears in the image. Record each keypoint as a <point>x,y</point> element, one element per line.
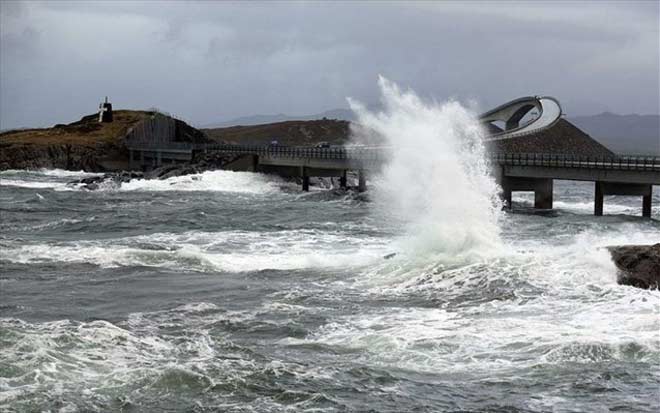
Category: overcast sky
<point>207,62</point>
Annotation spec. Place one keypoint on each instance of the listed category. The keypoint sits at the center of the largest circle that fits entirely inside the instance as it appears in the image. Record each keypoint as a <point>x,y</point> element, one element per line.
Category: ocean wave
<point>71,356</point>
<point>58,173</point>
<point>181,349</point>
<point>21,183</point>
<point>224,181</point>
<point>521,267</point>
<point>455,206</point>
<point>608,207</point>
<point>233,251</point>
<point>218,181</point>
<point>495,337</point>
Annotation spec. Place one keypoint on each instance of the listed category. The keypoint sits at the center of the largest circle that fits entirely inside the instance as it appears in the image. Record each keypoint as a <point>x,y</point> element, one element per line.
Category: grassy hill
<point>562,138</point>
<point>85,144</point>
<point>87,131</point>
<point>288,133</point>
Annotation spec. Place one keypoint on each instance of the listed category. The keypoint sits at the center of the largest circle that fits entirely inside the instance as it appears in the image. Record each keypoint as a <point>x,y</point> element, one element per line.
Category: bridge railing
<point>636,163</point>
<point>374,155</point>
<point>334,153</point>
<point>156,146</point>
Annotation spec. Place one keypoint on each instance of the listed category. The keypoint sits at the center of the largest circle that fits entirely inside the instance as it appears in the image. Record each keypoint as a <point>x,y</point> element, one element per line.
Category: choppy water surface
<point>236,292</point>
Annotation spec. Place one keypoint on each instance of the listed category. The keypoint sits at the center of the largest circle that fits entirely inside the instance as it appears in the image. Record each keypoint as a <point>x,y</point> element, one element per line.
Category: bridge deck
<point>623,169</point>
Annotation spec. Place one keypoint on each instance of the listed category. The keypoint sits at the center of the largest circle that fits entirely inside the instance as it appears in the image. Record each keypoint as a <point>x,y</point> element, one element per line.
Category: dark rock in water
<point>183,170</point>
<point>201,163</point>
<point>391,255</point>
<point>169,171</point>
<point>160,171</point>
<point>93,183</point>
<point>125,176</point>
<point>639,265</point>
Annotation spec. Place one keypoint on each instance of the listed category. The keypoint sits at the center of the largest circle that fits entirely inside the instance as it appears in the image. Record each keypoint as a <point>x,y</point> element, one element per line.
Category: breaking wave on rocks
<point>226,181</point>
<point>216,181</point>
<point>436,181</point>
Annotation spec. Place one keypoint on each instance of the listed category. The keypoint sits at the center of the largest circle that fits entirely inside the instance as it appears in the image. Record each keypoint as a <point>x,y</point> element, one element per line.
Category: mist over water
<point>436,179</point>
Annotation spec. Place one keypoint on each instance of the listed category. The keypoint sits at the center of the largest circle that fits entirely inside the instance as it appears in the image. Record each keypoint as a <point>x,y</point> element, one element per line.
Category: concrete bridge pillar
<point>543,194</point>
<point>305,179</point>
<point>342,180</point>
<point>362,181</point>
<point>542,188</point>
<point>646,203</point>
<point>615,188</point>
<point>254,163</point>
<point>598,200</point>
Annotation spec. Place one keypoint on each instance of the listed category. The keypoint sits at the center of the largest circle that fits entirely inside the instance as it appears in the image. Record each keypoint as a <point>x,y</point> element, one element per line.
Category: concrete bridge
<point>620,175</point>
<point>612,175</point>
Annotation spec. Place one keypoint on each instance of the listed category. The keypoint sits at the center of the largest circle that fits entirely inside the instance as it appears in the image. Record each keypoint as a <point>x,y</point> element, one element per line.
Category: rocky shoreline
<point>208,162</point>
<point>638,265</point>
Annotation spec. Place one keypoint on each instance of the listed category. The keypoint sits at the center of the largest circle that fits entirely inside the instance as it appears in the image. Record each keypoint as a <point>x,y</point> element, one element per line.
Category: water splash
<point>436,179</point>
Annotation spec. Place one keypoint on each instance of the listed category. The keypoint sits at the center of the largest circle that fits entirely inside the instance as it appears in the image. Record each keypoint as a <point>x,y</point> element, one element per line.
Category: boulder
<point>93,183</point>
<point>638,265</point>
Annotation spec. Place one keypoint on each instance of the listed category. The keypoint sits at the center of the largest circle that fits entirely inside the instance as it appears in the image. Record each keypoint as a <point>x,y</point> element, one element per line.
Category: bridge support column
<point>342,180</point>
<point>362,181</point>
<point>615,188</point>
<point>646,203</point>
<point>598,201</point>
<point>543,194</point>
<point>305,179</point>
<point>542,188</point>
<point>254,163</point>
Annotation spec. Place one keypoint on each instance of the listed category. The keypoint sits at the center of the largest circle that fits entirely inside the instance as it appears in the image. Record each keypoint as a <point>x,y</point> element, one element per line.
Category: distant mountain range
<point>632,134</point>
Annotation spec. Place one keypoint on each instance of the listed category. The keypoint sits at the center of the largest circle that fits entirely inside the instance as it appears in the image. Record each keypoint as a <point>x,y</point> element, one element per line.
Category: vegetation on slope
<point>85,144</point>
<point>87,131</point>
<point>290,133</point>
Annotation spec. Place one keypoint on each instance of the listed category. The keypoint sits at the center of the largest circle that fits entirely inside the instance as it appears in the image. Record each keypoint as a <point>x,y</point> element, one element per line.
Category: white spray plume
<point>436,180</point>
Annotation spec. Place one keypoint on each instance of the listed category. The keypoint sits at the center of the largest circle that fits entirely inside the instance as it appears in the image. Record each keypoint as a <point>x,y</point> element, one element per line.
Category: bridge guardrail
<point>369,155</point>
<point>636,163</point>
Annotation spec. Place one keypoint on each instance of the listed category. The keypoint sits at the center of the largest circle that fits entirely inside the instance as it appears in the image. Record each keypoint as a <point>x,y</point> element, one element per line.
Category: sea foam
<point>436,179</point>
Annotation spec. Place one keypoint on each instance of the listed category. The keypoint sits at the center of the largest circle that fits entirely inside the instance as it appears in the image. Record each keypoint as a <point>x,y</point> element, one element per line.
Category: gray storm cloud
<point>206,62</point>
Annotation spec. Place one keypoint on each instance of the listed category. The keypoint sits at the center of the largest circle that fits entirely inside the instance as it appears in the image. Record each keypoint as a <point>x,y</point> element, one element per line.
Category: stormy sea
<point>236,291</point>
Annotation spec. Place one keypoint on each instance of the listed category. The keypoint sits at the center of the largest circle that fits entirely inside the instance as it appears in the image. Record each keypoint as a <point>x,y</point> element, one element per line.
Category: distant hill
<point>631,134</point>
<point>289,133</point>
<point>563,137</point>
<point>338,114</point>
<point>85,144</point>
